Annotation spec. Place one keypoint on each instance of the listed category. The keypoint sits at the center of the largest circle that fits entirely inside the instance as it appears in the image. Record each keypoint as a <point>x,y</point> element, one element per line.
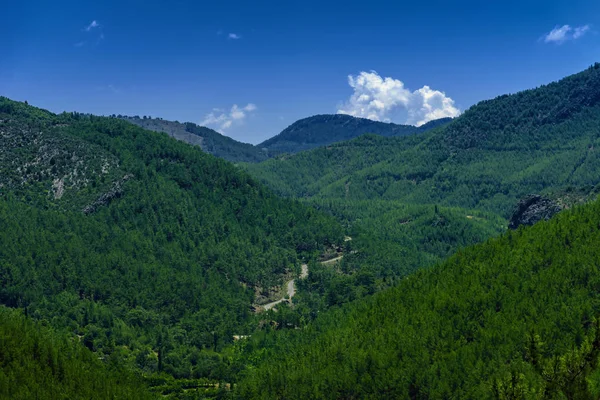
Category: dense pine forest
<point>516,317</point>
<point>390,240</point>
<point>148,249</point>
<point>134,265</point>
<point>38,363</point>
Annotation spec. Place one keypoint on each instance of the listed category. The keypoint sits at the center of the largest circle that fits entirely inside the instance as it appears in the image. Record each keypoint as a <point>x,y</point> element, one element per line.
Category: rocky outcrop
<point>532,209</point>
<point>115,192</point>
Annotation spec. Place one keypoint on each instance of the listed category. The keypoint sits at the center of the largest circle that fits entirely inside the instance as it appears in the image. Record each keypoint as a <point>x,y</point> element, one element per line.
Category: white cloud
<point>92,25</point>
<point>378,98</point>
<point>234,36</point>
<point>580,31</point>
<point>557,34</point>
<point>237,113</point>
<point>94,28</point>
<point>561,34</point>
<point>223,120</point>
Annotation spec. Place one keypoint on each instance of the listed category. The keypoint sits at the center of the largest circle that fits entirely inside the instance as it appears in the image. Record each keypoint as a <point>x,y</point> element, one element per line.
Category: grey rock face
<point>532,209</point>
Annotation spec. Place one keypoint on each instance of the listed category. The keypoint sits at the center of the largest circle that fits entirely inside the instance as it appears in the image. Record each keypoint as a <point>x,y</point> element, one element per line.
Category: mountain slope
<point>390,240</point>
<point>516,317</point>
<point>306,174</point>
<point>209,140</point>
<point>498,151</point>
<point>43,164</point>
<point>37,363</point>
<point>165,266</point>
<point>321,130</point>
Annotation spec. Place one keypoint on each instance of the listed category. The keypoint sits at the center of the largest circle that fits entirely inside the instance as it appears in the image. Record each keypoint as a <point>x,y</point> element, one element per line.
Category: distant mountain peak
<point>323,129</point>
<point>208,139</point>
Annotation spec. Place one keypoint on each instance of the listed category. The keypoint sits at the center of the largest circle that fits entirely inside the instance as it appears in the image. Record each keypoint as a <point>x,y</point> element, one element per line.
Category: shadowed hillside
<point>321,130</point>
<point>209,140</point>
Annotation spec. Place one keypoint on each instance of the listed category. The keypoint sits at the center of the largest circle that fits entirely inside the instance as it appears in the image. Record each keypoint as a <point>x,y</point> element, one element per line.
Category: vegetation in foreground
<point>36,362</point>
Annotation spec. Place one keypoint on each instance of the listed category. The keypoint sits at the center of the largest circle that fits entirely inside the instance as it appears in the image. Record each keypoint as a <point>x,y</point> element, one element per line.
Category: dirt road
<point>290,290</point>
<point>291,285</point>
<point>332,260</point>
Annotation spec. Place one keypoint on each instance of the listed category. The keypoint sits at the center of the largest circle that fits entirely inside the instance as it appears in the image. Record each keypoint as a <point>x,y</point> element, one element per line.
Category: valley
<point>183,223</point>
<point>291,285</point>
<point>342,258</point>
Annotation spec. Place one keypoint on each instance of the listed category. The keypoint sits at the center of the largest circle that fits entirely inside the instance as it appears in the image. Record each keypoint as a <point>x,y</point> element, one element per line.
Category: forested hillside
<point>305,175</point>
<point>321,130</point>
<point>152,252</point>
<point>498,151</point>
<point>39,363</point>
<point>209,140</point>
<point>409,202</point>
<point>390,240</point>
<point>514,318</point>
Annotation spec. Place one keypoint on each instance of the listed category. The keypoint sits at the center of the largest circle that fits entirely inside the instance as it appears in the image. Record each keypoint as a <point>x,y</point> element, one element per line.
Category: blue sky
<point>249,69</point>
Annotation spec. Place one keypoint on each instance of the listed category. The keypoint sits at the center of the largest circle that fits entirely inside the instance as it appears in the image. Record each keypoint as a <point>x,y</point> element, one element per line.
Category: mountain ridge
<point>209,140</point>
<point>324,129</point>
<point>152,252</point>
<point>306,133</point>
<point>491,156</point>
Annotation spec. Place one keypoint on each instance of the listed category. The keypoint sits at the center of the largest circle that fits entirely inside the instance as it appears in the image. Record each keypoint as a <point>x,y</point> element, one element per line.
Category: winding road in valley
<point>291,285</point>
<point>291,290</point>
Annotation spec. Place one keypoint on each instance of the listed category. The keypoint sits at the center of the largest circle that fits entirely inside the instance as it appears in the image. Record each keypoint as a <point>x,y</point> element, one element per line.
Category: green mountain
<point>391,238</point>
<point>143,246</point>
<point>498,151</point>
<point>308,174</point>
<point>209,140</point>
<point>304,134</point>
<point>151,254</point>
<point>514,318</point>
<point>409,202</point>
<point>321,130</point>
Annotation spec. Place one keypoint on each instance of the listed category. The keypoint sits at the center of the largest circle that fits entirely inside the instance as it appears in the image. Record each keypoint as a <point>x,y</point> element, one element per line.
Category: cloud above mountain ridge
<point>378,98</point>
<point>223,120</point>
